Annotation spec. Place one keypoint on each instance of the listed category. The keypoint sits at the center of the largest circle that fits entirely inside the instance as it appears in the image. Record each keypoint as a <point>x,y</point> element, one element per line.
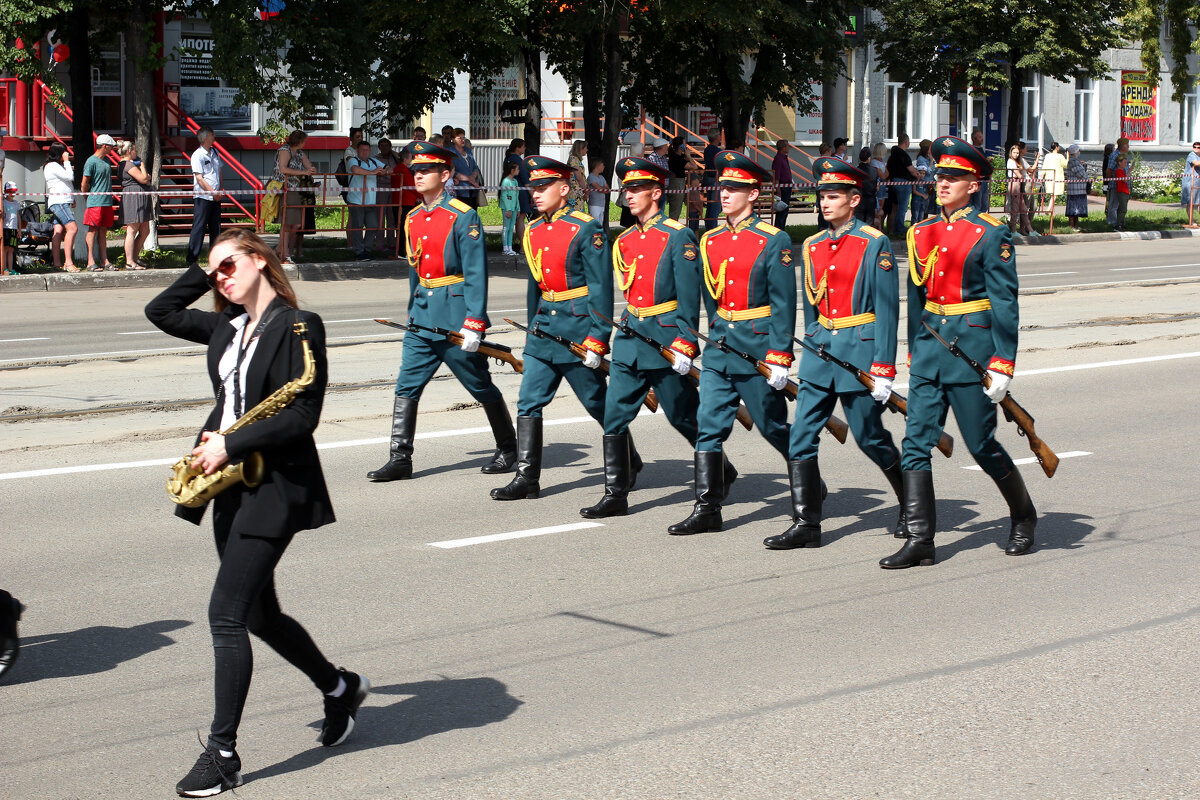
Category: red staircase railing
<point>227,158</point>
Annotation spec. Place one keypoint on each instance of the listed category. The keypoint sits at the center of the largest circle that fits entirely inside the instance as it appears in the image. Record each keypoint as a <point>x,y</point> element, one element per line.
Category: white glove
<point>883,389</point>
<point>999,386</point>
<point>779,377</point>
<point>471,340</point>
<point>683,364</point>
<point>592,360</point>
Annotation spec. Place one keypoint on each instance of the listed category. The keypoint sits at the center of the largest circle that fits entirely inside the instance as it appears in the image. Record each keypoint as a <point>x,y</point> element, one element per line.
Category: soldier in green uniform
<point>657,266</point>
<point>750,298</point>
<point>448,288</point>
<point>852,308</point>
<point>569,279</point>
<point>963,282</point>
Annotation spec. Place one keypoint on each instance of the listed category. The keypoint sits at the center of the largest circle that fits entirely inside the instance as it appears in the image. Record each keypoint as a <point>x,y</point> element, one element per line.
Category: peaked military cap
<point>544,171</point>
<point>953,156</point>
<point>739,171</point>
<point>426,155</point>
<point>634,171</point>
<point>833,173</point>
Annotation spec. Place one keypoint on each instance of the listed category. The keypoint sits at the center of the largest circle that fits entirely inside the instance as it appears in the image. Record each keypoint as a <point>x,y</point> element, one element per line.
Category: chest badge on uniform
<point>689,252</point>
<point>598,241</point>
<point>885,263</point>
<point>1006,252</point>
<point>786,258</point>
<point>473,231</point>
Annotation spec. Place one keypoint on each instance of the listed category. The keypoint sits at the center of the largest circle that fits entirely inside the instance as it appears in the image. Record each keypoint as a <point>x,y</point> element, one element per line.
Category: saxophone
<point>188,485</point>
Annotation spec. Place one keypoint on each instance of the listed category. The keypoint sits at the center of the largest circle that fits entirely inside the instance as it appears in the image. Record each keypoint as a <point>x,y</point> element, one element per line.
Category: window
<point>485,106</point>
<point>909,113</point>
<point>1189,117</point>
<point>1087,129</point>
<point>1031,115</point>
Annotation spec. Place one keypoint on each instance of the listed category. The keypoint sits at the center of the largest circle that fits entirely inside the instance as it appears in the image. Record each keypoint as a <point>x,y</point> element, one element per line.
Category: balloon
<point>60,53</point>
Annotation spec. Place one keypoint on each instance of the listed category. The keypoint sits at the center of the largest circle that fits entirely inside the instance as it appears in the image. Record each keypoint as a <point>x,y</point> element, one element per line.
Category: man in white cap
<point>659,156</point>
<point>98,216</point>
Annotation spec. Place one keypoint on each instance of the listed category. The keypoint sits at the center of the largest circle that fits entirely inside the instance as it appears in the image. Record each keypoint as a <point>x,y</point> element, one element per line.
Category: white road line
<point>336,321</point>
<point>1072,454</point>
<point>37,473</point>
<point>1044,274</point>
<point>500,537</point>
<point>181,349</point>
<point>29,339</point>
<point>135,333</point>
<point>1160,266</point>
<point>1104,283</point>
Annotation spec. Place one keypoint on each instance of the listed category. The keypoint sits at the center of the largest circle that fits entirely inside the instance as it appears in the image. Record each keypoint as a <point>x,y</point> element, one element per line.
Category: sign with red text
<point>1139,107</point>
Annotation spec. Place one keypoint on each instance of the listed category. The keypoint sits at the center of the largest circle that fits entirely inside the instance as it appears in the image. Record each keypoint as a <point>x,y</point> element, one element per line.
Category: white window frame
<point>1031,111</point>
<point>891,123</point>
<point>920,114</point>
<point>1087,119</point>
<point>1189,117</point>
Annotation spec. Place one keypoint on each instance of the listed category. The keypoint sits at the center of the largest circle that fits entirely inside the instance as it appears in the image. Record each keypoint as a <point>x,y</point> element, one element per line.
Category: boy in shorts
<point>97,180</point>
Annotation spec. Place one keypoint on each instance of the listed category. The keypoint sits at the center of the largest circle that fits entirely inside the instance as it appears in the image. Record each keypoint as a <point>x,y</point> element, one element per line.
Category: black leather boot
<point>896,480</point>
<point>710,489</point>
<point>505,457</point>
<point>921,515</point>
<point>731,475</point>
<point>805,480</point>
<point>615,502</point>
<point>526,483</point>
<point>635,463</point>
<point>10,645</point>
<point>1020,508</point>
<point>404,428</point>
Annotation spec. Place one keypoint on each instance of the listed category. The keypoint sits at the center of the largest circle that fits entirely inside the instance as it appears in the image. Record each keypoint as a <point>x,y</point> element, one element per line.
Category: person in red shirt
<point>402,177</point>
<point>1121,195</point>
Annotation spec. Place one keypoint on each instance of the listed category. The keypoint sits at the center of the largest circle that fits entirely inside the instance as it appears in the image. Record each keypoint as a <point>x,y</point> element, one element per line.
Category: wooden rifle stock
<point>486,348</point>
<point>1013,412</point>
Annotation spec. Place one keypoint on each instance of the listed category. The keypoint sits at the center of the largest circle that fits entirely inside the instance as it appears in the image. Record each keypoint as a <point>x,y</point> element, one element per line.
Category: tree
<point>989,45</point>
<point>1144,22</point>
<point>734,57</point>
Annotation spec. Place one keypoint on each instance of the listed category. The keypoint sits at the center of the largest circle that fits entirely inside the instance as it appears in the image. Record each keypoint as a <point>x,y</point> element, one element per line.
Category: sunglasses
<point>227,266</point>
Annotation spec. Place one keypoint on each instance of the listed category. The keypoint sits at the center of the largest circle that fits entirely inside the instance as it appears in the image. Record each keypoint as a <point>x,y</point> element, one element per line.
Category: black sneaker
<point>212,775</point>
<point>340,711</point>
<point>10,645</point>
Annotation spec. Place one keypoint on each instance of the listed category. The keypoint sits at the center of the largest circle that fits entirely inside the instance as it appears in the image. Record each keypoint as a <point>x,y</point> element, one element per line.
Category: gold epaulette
<point>767,228</point>
<point>989,219</point>
<point>874,233</point>
<point>674,224</point>
<point>459,204</point>
<point>581,216</point>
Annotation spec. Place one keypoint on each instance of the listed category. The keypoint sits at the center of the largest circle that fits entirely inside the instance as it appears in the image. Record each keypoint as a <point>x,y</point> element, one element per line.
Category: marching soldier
<point>448,289</point>
<point>963,282</point>
<point>852,308</point>
<point>657,267</point>
<point>569,279</point>
<point>751,304</point>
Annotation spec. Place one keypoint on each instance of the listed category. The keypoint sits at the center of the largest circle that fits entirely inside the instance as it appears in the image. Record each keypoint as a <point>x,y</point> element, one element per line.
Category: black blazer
<point>293,496</point>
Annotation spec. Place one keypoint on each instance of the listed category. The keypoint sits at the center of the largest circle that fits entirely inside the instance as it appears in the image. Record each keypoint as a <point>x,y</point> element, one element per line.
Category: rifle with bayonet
<point>834,425</point>
<point>1013,412</point>
<point>502,353</point>
<point>743,413</point>
<point>580,352</point>
<point>895,402</point>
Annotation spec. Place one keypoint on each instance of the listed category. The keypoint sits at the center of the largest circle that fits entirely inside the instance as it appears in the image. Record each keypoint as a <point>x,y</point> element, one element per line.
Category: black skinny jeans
<point>243,600</point>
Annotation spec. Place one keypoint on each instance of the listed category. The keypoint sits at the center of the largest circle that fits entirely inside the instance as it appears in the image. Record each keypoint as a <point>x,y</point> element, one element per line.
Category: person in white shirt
<point>206,195</point>
<point>360,200</point>
<point>60,202</point>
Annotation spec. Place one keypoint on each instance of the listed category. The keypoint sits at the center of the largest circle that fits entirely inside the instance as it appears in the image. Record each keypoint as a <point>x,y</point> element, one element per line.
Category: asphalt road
<point>562,659</point>
<point>108,323</point>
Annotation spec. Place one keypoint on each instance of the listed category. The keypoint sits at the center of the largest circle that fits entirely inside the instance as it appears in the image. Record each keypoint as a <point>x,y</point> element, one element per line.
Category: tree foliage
<point>1145,21</point>
<point>942,47</point>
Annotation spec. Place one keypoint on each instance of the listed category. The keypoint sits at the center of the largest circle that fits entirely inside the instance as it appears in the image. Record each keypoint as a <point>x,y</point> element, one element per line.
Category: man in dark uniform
<point>657,266</point>
<point>448,289</point>
<point>963,282</point>
<point>569,279</point>
<point>852,308</point>
<point>751,303</point>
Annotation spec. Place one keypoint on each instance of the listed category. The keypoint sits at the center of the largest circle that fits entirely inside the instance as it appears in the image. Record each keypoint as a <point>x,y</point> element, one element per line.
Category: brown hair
<point>250,242</point>
<point>296,138</point>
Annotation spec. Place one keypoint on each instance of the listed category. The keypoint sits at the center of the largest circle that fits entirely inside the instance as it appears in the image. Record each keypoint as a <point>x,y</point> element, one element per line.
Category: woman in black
<point>255,346</point>
<point>677,162</point>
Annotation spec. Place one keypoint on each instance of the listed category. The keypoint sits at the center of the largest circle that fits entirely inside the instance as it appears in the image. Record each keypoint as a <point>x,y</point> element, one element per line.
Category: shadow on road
<point>433,707</point>
<point>90,650</point>
<point>1055,531</point>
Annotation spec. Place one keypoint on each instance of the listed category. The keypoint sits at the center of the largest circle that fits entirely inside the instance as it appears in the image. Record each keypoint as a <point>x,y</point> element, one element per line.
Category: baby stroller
<point>33,247</point>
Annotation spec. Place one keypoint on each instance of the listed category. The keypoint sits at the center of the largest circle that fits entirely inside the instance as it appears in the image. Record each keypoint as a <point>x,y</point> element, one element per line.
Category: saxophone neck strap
<point>239,397</point>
